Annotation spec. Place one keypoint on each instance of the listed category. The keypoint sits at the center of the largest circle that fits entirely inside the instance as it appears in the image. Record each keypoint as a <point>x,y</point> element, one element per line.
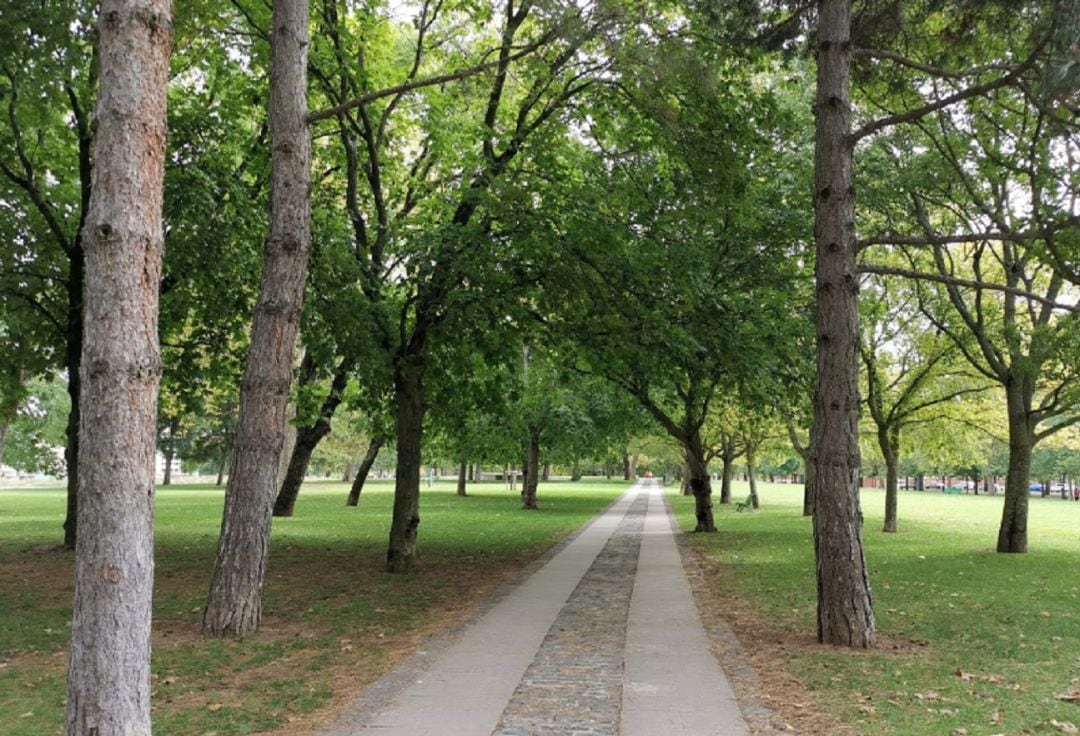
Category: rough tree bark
<point>1012,533</point>
<point>288,443</point>
<point>365,468</point>
<point>531,478</point>
<point>409,393</point>
<point>74,347</point>
<point>73,338</point>
<point>234,606</point>
<point>169,452</point>
<point>108,685</point>
<point>845,610</point>
<point>700,484</point>
<point>307,439</point>
<point>810,471</point>
<point>728,453</point>
<point>751,475</point>
<point>889,442</point>
<point>463,472</point>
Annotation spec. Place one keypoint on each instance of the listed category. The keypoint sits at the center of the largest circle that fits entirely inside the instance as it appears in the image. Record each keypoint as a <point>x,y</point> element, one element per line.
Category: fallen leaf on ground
<point>1065,726</point>
<point>1073,696</point>
<point>970,676</point>
<point>997,717</point>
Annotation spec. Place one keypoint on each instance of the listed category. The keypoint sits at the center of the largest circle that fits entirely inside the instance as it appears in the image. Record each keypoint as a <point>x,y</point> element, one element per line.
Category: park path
<point>604,639</point>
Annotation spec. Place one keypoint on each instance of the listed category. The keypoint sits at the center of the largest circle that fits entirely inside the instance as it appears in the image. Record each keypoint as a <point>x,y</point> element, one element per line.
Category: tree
<point>234,605</point>
<point>430,205</point>
<point>310,433</point>
<point>845,612</point>
<point>656,287</point>
<point>50,76</point>
<point>908,371</point>
<point>986,175</point>
<point>109,669</point>
<point>216,182</point>
<point>39,425</point>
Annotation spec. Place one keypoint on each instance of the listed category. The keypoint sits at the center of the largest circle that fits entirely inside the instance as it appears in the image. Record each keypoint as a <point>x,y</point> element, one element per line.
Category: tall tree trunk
<point>889,442</point>
<point>169,452</point>
<point>546,476</point>
<point>532,471</point>
<point>409,392</point>
<point>809,470</point>
<point>1012,534</point>
<point>108,684</point>
<point>727,473</point>
<point>845,609</point>
<point>751,475</point>
<point>10,408</point>
<point>307,439</point>
<point>627,470</point>
<point>166,475</point>
<point>463,471</point>
<point>234,606</point>
<point>810,483</point>
<point>5,425</point>
<point>700,485</point>
<point>288,444</point>
<point>684,479</point>
<point>221,468</point>
<point>365,468</point>
<point>73,348</point>
<point>73,332</point>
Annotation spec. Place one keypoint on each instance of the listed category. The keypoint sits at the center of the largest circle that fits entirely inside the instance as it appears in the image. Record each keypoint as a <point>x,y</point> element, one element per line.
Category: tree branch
<point>967,283</point>
<point>1024,235</point>
<point>919,112</point>
<point>930,69</point>
<point>421,83</point>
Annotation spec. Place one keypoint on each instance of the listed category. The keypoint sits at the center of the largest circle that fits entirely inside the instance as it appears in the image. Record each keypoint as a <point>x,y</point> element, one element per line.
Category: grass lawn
<point>333,621</point>
<point>971,642</point>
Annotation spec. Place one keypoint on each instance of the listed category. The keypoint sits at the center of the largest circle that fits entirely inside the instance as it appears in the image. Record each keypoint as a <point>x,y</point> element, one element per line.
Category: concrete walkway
<point>604,639</point>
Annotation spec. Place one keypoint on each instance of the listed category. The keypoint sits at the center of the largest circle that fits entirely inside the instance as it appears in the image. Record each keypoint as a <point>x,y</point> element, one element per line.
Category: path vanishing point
<point>604,639</point>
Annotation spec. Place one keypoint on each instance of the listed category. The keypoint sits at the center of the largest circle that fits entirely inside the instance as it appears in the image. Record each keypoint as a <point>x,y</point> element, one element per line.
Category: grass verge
<point>333,620</point>
<point>971,642</point>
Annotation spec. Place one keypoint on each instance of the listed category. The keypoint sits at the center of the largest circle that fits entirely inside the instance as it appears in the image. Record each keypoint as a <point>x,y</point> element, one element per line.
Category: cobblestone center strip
<point>574,685</point>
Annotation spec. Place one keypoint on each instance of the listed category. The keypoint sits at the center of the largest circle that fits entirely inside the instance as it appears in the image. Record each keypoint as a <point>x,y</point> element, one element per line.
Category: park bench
<point>954,489</point>
<point>747,504</point>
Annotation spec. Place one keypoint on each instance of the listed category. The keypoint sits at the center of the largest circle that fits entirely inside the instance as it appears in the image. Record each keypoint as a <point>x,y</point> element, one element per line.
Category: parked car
<point>1035,489</point>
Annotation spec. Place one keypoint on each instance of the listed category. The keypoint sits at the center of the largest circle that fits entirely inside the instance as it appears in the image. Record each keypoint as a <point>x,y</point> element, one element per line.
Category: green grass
<point>328,606</point>
<point>972,642</point>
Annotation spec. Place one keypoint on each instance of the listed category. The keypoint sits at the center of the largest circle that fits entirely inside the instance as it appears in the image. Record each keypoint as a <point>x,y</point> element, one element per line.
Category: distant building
<point>159,466</point>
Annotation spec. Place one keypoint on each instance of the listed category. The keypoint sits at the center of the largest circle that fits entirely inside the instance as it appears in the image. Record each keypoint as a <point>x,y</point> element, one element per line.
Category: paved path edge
<point>728,650</point>
<point>377,696</point>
